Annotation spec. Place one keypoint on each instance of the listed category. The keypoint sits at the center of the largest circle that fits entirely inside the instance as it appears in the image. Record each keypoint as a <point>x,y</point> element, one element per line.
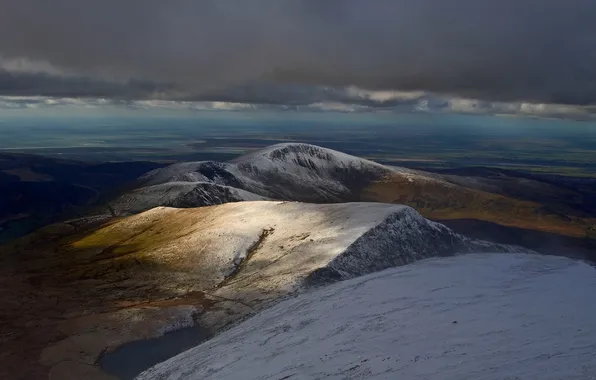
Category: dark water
<point>133,358</point>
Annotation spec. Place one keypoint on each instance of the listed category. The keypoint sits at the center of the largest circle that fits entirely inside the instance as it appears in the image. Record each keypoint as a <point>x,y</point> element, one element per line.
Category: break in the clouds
<point>268,51</point>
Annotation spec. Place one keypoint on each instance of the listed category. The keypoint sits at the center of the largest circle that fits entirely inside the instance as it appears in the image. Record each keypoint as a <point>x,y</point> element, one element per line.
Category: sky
<point>535,57</point>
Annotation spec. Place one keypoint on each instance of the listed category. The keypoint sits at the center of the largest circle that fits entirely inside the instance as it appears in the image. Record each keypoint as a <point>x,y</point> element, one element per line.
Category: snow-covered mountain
<point>272,168</point>
<point>490,317</point>
<point>291,171</point>
<point>308,173</point>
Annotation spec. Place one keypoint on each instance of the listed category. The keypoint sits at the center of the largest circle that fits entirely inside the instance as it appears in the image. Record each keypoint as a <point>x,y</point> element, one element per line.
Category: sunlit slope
<point>274,244</point>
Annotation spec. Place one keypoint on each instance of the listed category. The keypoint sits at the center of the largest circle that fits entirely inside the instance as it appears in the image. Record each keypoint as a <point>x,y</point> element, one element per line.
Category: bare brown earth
<point>67,298</point>
<point>439,200</point>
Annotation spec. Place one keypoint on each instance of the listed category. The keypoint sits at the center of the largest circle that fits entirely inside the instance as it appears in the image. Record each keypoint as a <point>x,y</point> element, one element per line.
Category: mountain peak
<point>300,153</point>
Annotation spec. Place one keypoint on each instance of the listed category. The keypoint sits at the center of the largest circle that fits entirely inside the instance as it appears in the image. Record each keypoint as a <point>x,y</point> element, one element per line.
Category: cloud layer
<point>299,51</point>
<point>417,103</point>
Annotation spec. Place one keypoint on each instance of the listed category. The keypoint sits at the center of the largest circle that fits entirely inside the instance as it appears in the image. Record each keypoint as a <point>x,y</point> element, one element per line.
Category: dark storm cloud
<point>41,84</point>
<point>531,50</point>
<point>37,84</point>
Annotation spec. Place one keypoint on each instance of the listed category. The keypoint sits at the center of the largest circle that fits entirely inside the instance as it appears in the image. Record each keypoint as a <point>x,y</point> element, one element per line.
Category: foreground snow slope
<point>489,317</point>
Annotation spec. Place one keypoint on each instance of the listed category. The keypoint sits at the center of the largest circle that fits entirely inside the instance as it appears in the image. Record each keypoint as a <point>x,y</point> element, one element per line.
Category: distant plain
<point>426,141</point>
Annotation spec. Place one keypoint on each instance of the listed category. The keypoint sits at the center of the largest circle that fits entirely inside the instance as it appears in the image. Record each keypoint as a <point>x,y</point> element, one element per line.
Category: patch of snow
<point>489,317</point>
<point>174,173</point>
<point>179,194</point>
<point>286,155</point>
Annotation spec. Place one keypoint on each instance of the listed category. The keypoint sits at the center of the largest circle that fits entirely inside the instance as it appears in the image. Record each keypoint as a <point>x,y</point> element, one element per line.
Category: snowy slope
<point>179,194</point>
<point>489,317</point>
<point>200,171</point>
<point>298,172</point>
<point>307,173</point>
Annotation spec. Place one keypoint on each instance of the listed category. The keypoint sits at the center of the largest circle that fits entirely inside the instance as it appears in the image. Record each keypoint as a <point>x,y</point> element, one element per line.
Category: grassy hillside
<point>444,201</point>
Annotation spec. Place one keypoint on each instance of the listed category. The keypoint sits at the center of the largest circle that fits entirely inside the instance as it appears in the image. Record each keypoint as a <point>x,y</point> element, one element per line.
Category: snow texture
<point>490,317</point>
<point>402,238</point>
<point>179,194</point>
